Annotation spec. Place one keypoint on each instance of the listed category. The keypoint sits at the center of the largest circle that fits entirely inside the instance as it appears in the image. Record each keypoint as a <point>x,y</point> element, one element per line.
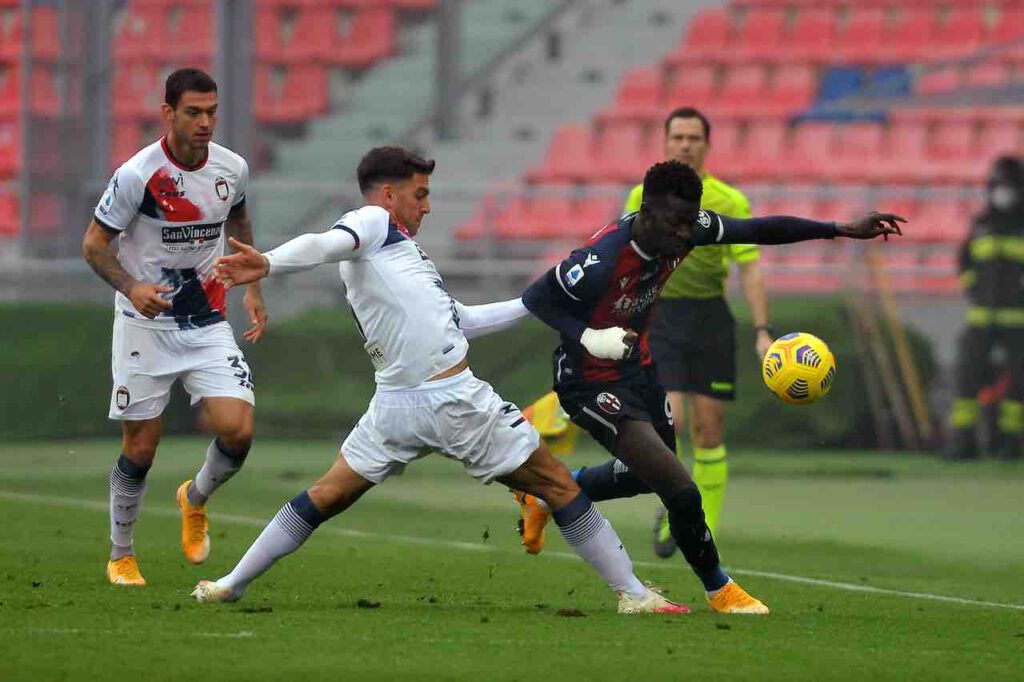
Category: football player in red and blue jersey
<point>600,300</point>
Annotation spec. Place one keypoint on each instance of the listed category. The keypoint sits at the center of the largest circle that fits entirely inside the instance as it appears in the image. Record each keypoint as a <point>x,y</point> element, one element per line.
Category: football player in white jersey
<point>153,238</point>
<point>427,398</point>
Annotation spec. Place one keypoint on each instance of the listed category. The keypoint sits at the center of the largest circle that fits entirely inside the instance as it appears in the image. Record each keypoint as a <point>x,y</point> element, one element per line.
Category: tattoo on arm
<point>103,260</point>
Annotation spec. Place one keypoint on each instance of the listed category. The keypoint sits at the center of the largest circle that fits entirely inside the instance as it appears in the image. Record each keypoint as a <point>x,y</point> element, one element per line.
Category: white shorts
<point>460,417</point>
<point>146,362</point>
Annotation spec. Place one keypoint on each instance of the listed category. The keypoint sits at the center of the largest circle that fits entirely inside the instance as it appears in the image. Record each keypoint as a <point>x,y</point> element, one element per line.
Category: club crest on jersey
<point>703,219</point>
<point>122,397</point>
<point>574,275</point>
<point>609,403</point>
<point>221,185</point>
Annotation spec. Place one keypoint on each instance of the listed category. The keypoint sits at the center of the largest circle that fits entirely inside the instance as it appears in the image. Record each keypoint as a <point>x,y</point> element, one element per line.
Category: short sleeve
<point>121,200</point>
<point>583,276</point>
<point>369,227</point>
<point>708,229</point>
<point>243,185</point>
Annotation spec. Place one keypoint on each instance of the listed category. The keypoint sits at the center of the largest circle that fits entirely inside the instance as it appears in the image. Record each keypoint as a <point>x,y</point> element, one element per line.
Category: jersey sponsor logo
<point>609,403</point>
<point>624,283</point>
<point>188,238</point>
<point>221,186</point>
<point>592,259</point>
<point>122,398</point>
<point>628,306</point>
<point>703,219</point>
<point>573,275</point>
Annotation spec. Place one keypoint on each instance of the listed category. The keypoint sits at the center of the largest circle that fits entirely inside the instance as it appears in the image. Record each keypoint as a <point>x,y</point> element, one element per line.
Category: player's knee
<point>140,446</point>
<point>237,440</point>
<point>684,505</point>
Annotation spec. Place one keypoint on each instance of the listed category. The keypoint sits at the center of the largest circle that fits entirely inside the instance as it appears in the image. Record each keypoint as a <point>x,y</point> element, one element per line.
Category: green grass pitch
<point>877,567</point>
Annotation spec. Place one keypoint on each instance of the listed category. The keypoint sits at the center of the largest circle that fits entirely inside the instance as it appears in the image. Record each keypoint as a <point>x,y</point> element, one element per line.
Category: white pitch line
<point>244,634</point>
<point>96,505</point>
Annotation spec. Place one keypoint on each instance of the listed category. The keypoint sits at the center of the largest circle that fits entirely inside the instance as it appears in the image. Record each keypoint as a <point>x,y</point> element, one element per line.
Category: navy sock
<point>306,510</point>
<point>609,481</point>
<point>238,455</point>
<point>686,521</point>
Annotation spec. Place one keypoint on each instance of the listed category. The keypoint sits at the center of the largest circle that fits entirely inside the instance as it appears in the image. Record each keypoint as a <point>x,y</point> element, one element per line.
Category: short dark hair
<point>675,178</point>
<point>384,164</point>
<point>690,112</point>
<point>188,78</point>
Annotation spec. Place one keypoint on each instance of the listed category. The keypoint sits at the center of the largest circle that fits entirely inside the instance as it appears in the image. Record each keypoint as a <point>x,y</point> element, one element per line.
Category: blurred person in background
<point>992,272</point>
<point>153,238</point>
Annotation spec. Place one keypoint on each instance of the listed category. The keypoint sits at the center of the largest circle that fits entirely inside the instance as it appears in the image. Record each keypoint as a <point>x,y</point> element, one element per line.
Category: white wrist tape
<point>607,344</point>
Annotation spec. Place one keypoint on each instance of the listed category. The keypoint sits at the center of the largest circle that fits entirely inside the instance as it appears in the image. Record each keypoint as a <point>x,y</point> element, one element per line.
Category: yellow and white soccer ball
<point>799,368</point>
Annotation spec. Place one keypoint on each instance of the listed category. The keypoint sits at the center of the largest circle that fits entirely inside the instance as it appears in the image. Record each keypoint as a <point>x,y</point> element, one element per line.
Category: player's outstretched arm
<point>789,229</point>
<point>480,320</point>
<point>239,227</point>
<point>302,253</point>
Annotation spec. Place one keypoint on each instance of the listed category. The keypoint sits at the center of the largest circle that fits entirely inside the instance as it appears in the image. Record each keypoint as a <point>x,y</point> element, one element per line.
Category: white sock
<point>127,487</point>
<point>217,469</point>
<point>598,544</point>
<point>285,533</point>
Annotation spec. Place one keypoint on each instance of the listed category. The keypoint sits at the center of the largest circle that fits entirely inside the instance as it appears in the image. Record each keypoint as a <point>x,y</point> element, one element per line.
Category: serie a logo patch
<point>123,397</point>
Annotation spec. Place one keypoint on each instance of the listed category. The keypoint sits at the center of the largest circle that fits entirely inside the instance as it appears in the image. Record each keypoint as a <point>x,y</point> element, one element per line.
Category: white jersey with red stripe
<point>170,225</point>
<point>409,322</point>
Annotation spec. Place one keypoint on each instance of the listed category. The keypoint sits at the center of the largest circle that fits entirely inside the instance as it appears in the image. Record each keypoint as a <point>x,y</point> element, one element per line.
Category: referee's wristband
<point>766,328</point>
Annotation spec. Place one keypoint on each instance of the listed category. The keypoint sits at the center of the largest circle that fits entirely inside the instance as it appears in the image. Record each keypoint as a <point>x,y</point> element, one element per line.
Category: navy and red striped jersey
<point>611,282</point>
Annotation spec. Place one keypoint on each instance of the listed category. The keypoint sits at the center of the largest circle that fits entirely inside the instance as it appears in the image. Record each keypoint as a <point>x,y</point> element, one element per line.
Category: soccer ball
<point>799,368</point>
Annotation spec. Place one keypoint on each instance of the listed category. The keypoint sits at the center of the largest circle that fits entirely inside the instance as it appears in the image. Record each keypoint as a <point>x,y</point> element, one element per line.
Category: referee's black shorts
<point>693,342</point>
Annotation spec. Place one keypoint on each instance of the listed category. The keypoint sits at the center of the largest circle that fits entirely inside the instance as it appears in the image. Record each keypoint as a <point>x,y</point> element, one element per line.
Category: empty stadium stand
<point>784,82</point>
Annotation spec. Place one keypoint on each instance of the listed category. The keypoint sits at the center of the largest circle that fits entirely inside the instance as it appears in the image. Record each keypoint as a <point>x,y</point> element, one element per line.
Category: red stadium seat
<point>907,37</point>
<point>946,79</point>
<point>759,36</point>
<point>138,87</point>
<point>905,147</point>
<point>811,152</point>
<point>999,138</point>
<point>764,151</point>
<point>859,146</point>
<point>9,216</point>
<point>793,87</point>
<point>940,220</point>
<point>638,97</point>
<point>691,85</point>
<point>289,94</point>
<point>567,158</point>
<point>861,39</point>
<point>811,36</point>
<point>181,30</point>
<point>45,33</point>
<point>618,154</point>
<point>743,87</point>
<point>369,35</point>
<point>987,75</point>
<point>10,149</point>
<point>708,33</point>
<point>960,32</point>
<point>953,141</point>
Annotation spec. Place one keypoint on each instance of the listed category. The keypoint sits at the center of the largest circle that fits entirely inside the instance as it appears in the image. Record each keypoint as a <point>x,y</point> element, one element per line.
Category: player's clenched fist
<point>242,267</point>
<point>147,298</point>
